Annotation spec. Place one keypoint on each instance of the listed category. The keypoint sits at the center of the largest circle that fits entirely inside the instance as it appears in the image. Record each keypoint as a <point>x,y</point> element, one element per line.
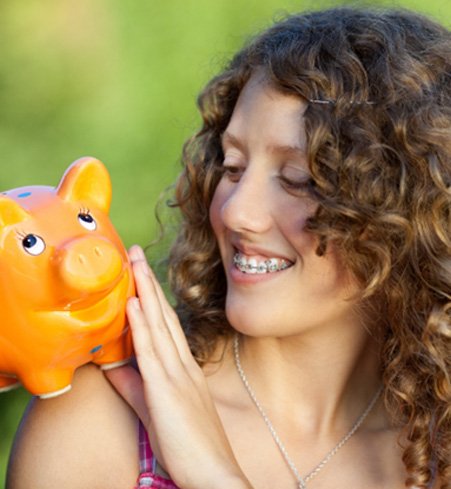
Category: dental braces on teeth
<point>252,266</point>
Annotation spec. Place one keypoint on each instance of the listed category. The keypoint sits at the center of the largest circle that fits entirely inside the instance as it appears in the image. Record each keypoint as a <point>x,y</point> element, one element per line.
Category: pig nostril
<point>98,251</point>
<point>82,259</point>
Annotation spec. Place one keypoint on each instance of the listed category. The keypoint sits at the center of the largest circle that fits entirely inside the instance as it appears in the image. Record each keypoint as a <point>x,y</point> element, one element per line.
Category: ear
<point>87,179</point>
<point>11,212</point>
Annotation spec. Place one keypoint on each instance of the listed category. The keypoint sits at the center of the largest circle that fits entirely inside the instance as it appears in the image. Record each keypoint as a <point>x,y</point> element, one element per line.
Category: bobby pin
<point>325,101</point>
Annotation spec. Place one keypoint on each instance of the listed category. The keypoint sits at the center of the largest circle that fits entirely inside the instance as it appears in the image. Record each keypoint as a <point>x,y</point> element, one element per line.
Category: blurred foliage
<point>116,80</point>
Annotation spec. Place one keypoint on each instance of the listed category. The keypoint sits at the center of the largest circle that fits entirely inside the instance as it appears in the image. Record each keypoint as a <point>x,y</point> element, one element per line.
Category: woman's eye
<point>87,221</point>
<point>297,186</point>
<point>232,172</point>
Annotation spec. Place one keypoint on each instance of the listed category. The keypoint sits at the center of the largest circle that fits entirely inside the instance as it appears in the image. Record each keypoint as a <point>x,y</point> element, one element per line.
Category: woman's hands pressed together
<point>170,394</point>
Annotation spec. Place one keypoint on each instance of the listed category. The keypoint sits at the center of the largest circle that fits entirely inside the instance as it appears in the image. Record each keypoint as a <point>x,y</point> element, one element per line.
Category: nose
<point>89,264</point>
<point>247,205</point>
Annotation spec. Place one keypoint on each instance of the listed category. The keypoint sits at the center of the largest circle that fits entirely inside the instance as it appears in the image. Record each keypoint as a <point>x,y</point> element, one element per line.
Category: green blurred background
<point>117,80</point>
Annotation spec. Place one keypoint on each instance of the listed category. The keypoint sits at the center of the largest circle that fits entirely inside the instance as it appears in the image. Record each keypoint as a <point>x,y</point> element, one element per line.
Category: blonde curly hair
<point>378,89</point>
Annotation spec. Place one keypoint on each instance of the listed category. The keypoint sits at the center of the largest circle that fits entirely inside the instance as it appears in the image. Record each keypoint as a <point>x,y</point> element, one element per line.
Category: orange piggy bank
<point>64,282</point>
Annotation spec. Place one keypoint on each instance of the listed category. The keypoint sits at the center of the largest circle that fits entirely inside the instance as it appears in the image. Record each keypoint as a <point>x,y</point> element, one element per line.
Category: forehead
<point>264,111</point>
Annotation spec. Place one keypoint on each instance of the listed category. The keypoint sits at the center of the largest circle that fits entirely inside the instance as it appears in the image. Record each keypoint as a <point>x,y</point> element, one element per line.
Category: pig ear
<point>11,212</point>
<point>87,180</point>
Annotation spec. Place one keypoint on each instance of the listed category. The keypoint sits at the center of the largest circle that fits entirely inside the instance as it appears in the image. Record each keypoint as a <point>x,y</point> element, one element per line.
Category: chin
<point>252,323</point>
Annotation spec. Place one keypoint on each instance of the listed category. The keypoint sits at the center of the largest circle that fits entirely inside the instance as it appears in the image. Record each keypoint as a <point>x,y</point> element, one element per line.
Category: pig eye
<point>87,221</point>
<point>32,244</point>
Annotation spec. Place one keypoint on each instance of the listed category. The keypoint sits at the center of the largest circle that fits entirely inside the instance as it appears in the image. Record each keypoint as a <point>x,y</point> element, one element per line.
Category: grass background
<point>117,80</point>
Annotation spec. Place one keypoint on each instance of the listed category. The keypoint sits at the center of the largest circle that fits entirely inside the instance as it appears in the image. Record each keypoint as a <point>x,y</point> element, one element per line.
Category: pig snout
<point>89,264</point>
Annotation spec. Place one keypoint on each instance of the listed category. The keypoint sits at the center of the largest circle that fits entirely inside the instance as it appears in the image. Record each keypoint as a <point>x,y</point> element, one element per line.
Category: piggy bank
<point>65,279</point>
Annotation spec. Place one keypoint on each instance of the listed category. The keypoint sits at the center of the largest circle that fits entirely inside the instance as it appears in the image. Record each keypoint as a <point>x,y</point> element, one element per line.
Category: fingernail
<point>138,258</point>
<point>137,253</point>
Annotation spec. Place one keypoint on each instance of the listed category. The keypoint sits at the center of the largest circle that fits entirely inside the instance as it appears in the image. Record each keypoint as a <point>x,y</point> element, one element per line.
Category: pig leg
<point>115,353</point>
<point>8,383</point>
<point>48,383</point>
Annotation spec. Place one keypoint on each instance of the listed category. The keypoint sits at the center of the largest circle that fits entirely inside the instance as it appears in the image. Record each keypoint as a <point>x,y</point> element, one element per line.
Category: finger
<point>128,383</point>
<point>145,287</point>
<point>150,305</point>
<point>171,318</point>
<point>155,305</point>
<point>137,255</point>
<point>143,342</point>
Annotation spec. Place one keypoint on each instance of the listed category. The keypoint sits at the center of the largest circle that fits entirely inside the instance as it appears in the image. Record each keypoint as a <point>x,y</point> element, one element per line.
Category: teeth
<point>252,266</point>
<point>272,264</point>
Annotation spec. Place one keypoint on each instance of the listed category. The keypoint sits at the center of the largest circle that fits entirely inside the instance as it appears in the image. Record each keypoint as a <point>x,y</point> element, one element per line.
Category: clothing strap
<point>149,469</point>
<point>146,459</point>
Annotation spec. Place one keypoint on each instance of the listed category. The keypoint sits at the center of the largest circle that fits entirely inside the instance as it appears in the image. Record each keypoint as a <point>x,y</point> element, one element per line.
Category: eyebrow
<point>287,149</point>
<point>227,137</point>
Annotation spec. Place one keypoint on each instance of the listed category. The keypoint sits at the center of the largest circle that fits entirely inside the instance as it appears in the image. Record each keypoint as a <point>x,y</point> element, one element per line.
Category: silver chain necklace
<point>301,481</point>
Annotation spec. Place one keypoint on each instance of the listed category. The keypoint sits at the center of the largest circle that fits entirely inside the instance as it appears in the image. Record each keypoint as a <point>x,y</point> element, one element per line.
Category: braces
<point>268,266</point>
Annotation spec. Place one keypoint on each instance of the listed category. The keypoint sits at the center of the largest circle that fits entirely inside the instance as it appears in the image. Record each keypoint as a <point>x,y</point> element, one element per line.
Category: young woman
<point>312,277</point>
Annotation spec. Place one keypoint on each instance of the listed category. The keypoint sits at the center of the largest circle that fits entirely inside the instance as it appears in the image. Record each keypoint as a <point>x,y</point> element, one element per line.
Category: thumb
<point>128,383</point>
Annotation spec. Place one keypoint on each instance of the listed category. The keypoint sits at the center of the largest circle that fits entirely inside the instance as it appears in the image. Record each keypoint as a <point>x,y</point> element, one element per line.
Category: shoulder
<point>85,438</point>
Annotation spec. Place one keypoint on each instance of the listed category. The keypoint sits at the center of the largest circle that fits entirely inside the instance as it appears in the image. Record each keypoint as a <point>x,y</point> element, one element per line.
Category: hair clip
<point>318,101</point>
<point>332,102</point>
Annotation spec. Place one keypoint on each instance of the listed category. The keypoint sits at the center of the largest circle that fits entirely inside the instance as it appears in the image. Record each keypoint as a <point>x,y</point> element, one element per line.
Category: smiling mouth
<point>253,265</point>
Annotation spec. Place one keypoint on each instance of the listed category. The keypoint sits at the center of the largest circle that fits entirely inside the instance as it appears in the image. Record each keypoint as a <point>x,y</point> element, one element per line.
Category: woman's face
<point>276,283</point>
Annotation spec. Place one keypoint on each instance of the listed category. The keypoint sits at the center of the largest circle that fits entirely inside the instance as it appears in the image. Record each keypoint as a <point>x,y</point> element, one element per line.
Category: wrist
<point>232,481</point>
<point>218,479</point>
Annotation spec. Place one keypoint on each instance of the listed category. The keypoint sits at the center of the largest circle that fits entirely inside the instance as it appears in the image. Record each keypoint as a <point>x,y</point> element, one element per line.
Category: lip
<point>241,278</point>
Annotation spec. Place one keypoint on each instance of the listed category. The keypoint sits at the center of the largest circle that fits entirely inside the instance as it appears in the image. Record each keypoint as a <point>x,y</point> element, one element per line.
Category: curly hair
<point>377,84</point>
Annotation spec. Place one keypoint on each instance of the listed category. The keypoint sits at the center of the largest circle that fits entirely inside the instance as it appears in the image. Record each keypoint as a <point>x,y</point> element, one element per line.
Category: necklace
<point>301,481</point>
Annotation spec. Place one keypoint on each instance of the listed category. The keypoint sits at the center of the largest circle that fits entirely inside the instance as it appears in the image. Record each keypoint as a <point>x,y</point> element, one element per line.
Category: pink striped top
<point>147,466</point>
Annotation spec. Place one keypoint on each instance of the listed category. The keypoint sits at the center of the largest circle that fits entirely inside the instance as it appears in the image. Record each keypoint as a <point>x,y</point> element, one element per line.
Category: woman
<point>312,277</point>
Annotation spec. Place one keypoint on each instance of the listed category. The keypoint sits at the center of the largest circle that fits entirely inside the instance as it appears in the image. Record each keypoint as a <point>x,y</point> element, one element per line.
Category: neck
<point>329,379</point>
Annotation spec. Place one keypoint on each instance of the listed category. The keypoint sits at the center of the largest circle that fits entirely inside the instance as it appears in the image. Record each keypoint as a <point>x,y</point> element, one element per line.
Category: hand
<point>171,396</point>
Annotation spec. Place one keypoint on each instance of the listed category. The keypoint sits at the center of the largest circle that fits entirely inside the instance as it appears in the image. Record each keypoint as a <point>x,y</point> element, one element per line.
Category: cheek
<point>215,211</point>
<point>335,276</point>
<point>291,220</point>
